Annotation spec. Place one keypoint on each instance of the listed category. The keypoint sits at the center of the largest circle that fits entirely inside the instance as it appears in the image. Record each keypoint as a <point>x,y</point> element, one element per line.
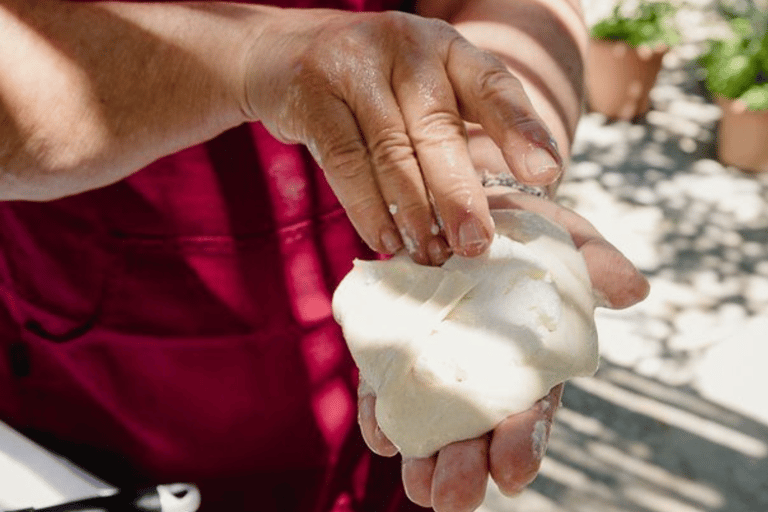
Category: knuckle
<point>416,210</point>
<point>396,21</point>
<point>456,192</point>
<point>403,23</point>
<point>345,157</point>
<point>391,150</point>
<point>500,91</point>
<point>364,206</point>
<point>495,79</point>
<point>443,28</point>
<point>438,128</point>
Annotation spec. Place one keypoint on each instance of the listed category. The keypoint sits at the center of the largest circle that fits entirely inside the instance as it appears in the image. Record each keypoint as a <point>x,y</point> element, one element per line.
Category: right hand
<point>380,99</point>
<point>454,479</point>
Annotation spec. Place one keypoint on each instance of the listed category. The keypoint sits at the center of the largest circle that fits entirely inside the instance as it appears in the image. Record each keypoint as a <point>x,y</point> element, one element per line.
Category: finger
<point>417,479</point>
<point>617,282</point>
<point>461,476</point>
<point>519,442</point>
<point>376,440</point>
<point>490,95</point>
<point>397,170</point>
<point>335,142</point>
<point>437,133</point>
<point>614,278</point>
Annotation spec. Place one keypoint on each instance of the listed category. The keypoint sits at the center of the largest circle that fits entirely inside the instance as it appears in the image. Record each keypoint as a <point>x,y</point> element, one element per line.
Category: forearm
<point>91,92</point>
<point>542,41</point>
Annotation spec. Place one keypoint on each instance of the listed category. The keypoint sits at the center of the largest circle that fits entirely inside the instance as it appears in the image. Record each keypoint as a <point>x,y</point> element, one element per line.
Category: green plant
<point>650,23</point>
<point>737,68</point>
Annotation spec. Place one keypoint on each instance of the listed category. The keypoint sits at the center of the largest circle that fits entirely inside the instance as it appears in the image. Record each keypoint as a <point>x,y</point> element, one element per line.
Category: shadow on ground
<point>627,443</point>
<point>676,419</point>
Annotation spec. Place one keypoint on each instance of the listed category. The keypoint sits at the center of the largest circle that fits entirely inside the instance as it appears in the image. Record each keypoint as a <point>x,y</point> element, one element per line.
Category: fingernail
<point>438,251</point>
<point>472,237</point>
<point>512,494</point>
<point>539,136</point>
<point>540,162</point>
<point>391,241</point>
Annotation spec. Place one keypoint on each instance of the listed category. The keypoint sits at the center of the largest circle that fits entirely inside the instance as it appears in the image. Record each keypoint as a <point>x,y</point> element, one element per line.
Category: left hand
<point>455,478</point>
<point>380,99</point>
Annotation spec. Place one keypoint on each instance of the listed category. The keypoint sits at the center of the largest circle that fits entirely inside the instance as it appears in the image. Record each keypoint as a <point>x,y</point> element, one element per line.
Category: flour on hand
<point>451,351</point>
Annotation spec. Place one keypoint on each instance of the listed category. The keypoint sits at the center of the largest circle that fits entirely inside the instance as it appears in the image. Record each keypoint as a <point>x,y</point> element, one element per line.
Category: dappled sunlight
<point>626,442</point>
<point>672,416</point>
<point>675,419</point>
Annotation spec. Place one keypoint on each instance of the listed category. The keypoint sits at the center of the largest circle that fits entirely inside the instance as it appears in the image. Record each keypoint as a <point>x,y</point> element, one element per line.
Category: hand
<point>380,99</point>
<point>455,478</point>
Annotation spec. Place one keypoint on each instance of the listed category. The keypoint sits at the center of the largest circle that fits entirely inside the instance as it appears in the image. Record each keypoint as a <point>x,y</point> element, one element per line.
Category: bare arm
<point>98,90</point>
<point>94,91</point>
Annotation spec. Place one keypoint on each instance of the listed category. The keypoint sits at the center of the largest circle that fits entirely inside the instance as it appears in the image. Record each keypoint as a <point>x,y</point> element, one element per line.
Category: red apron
<point>176,326</point>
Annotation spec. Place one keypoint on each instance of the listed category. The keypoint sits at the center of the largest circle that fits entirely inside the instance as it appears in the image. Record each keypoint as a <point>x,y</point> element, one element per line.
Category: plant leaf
<point>756,97</point>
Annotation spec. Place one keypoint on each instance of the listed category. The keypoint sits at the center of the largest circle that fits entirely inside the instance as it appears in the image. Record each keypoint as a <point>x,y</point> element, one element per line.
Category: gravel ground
<point>676,419</point>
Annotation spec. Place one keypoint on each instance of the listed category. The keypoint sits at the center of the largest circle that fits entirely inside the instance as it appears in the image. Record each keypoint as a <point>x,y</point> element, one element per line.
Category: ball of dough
<point>451,351</point>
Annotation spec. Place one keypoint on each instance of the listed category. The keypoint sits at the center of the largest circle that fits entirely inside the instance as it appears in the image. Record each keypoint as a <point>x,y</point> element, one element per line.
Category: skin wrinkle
<point>405,187</point>
<point>532,76</point>
<point>416,84</point>
<point>345,154</point>
<point>390,148</point>
<point>461,198</point>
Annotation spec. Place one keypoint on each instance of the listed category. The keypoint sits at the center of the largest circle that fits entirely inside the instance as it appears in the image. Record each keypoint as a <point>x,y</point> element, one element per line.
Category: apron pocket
<point>191,286</point>
<point>174,407</point>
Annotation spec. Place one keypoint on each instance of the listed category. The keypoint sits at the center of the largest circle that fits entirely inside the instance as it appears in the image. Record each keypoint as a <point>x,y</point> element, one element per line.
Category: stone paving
<point>676,420</point>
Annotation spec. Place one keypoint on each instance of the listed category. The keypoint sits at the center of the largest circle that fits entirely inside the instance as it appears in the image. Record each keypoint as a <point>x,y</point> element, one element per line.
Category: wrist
<point>278,42</point>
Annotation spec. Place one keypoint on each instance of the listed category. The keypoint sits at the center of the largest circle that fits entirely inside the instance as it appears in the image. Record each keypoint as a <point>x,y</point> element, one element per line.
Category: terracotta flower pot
<point>742,136</point>
<point>619,77</point>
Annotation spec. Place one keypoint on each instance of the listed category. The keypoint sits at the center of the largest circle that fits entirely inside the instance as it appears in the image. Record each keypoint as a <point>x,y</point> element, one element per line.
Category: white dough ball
<point>451,351</point>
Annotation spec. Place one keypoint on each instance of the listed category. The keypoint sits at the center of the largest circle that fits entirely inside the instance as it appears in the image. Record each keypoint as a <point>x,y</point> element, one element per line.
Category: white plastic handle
<point>179,497</point>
